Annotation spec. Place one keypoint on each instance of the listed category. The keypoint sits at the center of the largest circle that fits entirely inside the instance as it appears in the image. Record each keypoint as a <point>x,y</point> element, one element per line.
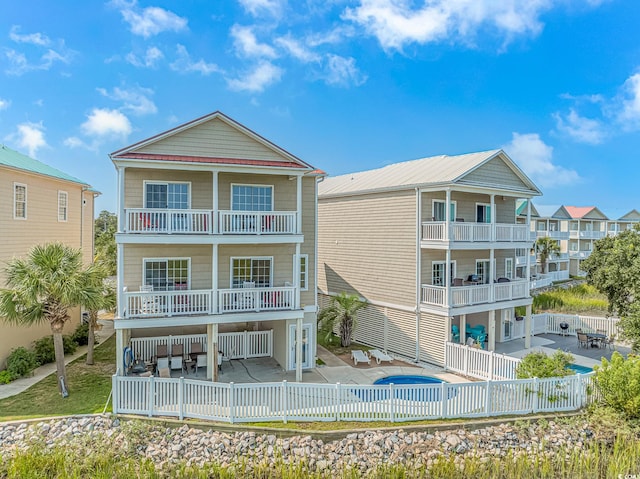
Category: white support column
<point>214,279</point>
<point>492,209</point>
<point>210,346</point>
<point>299,350</point>
<point>527,328</point>
<point>119,352</point>
<point>463,328</point>
<point>214,204</point>
<point>296,276</point>
<point>492,275</point>
<point>492,330</point>
<point>120,200</point>
<point>447,214</point>
<point>120,307</point>
<point>447,278</point>
<point>299,205</point>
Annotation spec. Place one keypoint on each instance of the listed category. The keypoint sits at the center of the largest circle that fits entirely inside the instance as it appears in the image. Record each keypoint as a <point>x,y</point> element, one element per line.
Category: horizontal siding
<point>215,139</point>
<point>367,246</point>
<point>401,330</point>
<point>371,326</point>
<point>465,262</point>
<point>201,185</point>
<point>495,173</point>
<point>505,206</point>
<point>284,190</point>
<point>309,230</point>
<point>282,261</point>
<point>432,338</point>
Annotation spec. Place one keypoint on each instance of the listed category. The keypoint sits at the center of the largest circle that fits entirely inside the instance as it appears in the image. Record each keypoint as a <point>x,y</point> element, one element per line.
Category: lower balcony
<point>474,294</point>
<point>155,304</point>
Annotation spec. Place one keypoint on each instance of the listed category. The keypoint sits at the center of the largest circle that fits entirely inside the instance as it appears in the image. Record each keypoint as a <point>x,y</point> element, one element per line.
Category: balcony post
<point>491,346</point>
<point>527,328</point>
<point>214,279</point>
<point>447,279</point>
<point>120,308</point>
<point>121,213</point>
<point>463,329</point>
<point>214,204</point>
<point>492,208</point>
<point>447,215</point>
<point>296,276</point>
<point>299,205</point>
<point>492,274</point>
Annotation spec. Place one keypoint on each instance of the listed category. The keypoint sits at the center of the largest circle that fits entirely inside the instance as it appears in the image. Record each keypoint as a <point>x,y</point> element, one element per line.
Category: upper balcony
<point>553,234</point>
<point>579,254</point>
<point>470,295</point>
<point>587,234</point>
<point>467,235</point>
<point>209,222</point>
<point>166,304</point>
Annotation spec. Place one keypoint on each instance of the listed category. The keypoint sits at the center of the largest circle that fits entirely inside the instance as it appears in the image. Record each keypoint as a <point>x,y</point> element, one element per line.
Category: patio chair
<point>201,362</point>
<point>177,363</point>
<point>455,333</point>
<point>359,356</point>
<point>164,372</point>
<point>163,363</point>
<point>195,349</point>
<point>379,356</point>
<point>609,342</point>
<point>583,340</point>
<point>177,350</point>
<point>458,282</point>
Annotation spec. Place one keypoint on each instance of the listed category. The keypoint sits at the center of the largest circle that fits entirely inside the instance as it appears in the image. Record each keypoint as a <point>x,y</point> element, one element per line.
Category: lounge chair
<point>379,356</point>
<point>359,356</point>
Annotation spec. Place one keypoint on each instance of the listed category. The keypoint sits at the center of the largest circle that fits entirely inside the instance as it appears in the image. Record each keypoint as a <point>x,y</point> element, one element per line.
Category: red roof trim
<point>205,159</point>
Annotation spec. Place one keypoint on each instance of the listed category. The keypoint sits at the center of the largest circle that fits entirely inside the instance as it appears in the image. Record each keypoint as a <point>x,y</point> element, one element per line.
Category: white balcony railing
<point>257,222</point>
<point>255,299</point>
<point>199,302</point>
<point>585,234</point>
<point>560,235</point>
<point>151,220</point>
<point>163,221</point>
<point>579,254</point>
<point>475,294</point>
<point>474,232</point>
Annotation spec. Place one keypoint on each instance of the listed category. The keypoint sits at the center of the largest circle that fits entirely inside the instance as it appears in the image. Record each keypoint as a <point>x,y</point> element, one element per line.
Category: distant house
<point>41,205</point>
<point>432,245</point>
<point>216,241</point>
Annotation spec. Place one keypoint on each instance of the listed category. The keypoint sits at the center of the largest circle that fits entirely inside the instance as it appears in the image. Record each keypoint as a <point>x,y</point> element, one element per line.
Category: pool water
<point>580,369</point>
<point>409,379</point>
<point>426,388</point>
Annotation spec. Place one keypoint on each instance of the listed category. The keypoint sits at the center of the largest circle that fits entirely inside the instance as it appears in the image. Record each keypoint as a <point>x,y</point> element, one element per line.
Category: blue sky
<point>344,85</point>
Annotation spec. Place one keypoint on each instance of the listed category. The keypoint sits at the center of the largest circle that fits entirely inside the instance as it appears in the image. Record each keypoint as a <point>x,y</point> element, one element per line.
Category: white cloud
<point>628,114</point>
<point>536,160</point>
<point>102,122</point>
<point>341,71</point>
<point>582,129</point>
<point>396,23</point>
<point>258,79</point>
<point>75,142</point>
<point>150,60</point>
<point>34,38</point>
<point>29,136</point>
<point>247,45</point>
<point>297,50</point>
<point>260,8</point>
<point>136,100</point>
<point>149,21</point>
<point>184,63</point>
<point>4,104</point>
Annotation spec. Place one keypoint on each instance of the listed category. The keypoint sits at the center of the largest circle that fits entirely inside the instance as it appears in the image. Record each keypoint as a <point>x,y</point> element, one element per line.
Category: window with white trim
<point>304,262</point>
<point>508,268</point>
<point>167,274</point>
<point>19,201</point>
<point>166,195</point>
<point>63,205</point>
<point>251,198</point>
<point>251,270</point>
<point>437,272</point>
<point>482,270</point>
<point>439,210</point>
<point>483,213</point>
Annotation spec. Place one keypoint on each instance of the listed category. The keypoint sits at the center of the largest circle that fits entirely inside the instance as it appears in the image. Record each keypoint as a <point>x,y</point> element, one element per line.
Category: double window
<point>440,213</point>
<point>483,270</point>
<point>63,205</point>
<point>508,268</point>
<point>167,274</point>
<point>162,195</point>
<point>438,272</point>
<point>251,198</point>
<point>19,201</point>
<point>254,271</point>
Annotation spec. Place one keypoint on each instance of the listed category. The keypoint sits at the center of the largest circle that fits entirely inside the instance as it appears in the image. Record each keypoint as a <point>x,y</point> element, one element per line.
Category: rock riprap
<point>361,450</point>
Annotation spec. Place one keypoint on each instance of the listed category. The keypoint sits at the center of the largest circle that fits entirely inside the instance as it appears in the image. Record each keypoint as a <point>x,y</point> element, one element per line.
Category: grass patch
<point>582,298</point>
<point>89,388</point>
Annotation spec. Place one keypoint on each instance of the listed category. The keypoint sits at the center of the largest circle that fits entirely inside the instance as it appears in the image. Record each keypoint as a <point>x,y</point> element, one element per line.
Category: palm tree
<point>546,247</point>
<point>43,286</point>
<point>343,310</point>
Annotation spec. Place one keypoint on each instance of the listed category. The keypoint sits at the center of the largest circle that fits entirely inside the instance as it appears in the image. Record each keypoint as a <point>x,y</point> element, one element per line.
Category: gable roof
<point>13,159</point>
<point>521,208</point>
<point>584,212</point>
<point>153,148</point>
<point>431,171</point>
<point>633,215</point>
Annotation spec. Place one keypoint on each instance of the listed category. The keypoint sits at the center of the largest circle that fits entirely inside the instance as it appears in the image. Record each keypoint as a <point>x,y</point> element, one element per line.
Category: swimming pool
<point>407,387</point>
<point>580,369</point>
<point>409,379</point>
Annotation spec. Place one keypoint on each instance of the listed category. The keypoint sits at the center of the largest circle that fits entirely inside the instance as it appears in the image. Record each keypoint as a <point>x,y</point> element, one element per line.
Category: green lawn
<point>89,388</point>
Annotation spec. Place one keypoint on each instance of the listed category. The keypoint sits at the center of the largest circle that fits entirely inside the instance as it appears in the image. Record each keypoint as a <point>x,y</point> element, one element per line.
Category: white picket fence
<point>479,363</point>
<point>586,323</point>
<point>235,403</point>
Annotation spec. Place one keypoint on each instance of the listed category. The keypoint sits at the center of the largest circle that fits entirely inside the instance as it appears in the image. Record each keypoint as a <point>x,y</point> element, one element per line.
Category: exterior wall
<point>282,264</point>
<point>367,246</point>
<point>284,190</point>
<point>433,334</point>
<point>18,236</point>
<point>201,185</point>
<point>213,139</point>
<point>466,206</point>
<point>309,229</point>
<point>465,262</point>
<point>494,172</point>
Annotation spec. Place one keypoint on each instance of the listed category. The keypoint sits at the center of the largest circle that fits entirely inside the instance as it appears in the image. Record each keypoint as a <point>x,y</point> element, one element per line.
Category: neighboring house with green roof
<point>41,205</point>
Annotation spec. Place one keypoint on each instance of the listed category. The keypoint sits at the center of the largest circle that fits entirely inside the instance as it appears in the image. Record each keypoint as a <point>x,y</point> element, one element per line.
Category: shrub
<point>81,334</point>
<point>21,362</point>
<point>6,377</point>
<point>618,381</point>
<point>45,351</point>
<point>539,365</point>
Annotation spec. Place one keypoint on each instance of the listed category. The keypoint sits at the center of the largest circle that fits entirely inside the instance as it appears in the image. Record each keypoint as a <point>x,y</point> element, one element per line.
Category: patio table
<point>596,337</point>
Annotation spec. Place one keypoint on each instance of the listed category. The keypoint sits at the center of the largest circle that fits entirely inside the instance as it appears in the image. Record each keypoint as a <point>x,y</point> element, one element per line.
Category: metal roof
<point>13,159</point>
<point>433,170</point>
